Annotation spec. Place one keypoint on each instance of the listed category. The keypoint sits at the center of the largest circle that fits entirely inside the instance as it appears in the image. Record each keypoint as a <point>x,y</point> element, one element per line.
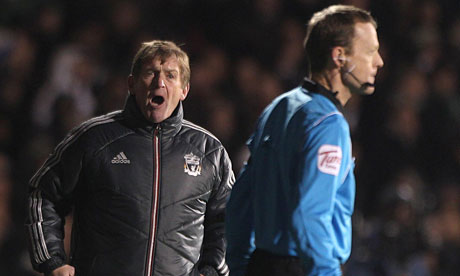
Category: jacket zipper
<point>155,201</point>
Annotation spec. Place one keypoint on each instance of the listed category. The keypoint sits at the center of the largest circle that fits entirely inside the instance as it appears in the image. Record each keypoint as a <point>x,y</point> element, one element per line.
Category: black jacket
<point>147,199</point>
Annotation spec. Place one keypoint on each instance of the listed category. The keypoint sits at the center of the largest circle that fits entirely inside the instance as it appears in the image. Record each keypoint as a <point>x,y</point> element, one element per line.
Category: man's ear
<point>185,92</point>
<point>131,84</point>
<point>338,56</point>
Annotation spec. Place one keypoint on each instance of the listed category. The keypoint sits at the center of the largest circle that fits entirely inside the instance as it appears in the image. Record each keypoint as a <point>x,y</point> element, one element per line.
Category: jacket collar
<point>315,87</point>
<point>136,119</point>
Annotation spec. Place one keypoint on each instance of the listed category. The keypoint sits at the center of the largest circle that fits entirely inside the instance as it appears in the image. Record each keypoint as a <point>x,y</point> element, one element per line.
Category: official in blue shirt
<point>290,210</point>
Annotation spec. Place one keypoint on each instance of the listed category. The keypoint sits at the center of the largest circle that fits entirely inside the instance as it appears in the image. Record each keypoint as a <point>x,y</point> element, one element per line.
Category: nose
<point>158,82</point>
<point>379,61</point>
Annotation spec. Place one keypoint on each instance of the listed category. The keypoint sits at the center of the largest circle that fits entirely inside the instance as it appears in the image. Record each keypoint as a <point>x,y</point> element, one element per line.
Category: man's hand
<point>65,270</point>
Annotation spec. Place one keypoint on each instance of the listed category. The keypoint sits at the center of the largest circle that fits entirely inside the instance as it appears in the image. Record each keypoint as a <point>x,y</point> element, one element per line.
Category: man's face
<point>158,88</point>
<point>365,59</point>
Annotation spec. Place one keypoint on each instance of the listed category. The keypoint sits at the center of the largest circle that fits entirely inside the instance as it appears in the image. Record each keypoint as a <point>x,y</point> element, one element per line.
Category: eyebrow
<point>153,68</point>
<point>171,70</point>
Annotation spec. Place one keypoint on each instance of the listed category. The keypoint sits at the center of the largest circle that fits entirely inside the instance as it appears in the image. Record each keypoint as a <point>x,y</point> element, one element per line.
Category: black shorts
<point>264,263</point>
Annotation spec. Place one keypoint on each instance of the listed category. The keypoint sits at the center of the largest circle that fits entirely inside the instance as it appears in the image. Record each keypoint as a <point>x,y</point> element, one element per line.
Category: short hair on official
<point>163,49</point>
<point>329,28</point>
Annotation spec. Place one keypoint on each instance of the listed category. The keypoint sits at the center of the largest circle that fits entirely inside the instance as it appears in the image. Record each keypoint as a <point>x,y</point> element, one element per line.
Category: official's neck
<point>332,80</point>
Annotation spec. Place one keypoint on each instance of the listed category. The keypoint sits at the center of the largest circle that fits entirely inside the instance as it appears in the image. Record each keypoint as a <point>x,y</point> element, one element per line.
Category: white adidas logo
<point>121,159</point>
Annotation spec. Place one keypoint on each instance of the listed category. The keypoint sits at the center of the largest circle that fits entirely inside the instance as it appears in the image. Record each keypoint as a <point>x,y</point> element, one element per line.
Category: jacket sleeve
<point>214,244</point>
<point>324,163</point>
<point>239,225</point>
<point>50,199</point>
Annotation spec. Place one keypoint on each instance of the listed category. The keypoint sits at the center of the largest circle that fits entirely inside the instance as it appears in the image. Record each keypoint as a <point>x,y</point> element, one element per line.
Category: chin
<point>369,91</point>
<point>154,118</point>
<point>366,91</point>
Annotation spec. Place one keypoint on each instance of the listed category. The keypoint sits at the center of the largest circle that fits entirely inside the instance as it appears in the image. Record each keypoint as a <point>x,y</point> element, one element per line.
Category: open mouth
<point>157,100</point>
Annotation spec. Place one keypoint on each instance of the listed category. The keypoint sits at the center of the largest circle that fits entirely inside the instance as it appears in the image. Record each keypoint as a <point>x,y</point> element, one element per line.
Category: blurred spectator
<point>441,124</point>
<point>72,74</point>
<point>291,55</point>
<point>385,245</point>
<point>454,40</point>
<point>112,94</point>
<point>13,256</point>
<point>124,21</point>
<point>255,87</point>
<point>222,121</point>
<point>208,83</point>
<point>442,230</point>
<point>21,55</point>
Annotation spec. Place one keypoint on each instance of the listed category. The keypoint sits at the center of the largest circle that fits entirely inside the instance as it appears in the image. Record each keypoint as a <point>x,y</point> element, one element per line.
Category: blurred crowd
<point>62,62</point>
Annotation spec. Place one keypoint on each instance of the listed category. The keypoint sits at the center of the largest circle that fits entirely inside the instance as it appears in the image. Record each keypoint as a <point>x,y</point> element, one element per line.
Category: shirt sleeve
<point>239,224</point>
<point>324,162</point>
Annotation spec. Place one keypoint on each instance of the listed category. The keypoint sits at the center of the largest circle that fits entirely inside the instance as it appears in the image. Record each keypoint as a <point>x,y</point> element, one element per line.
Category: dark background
<point>62,62</point>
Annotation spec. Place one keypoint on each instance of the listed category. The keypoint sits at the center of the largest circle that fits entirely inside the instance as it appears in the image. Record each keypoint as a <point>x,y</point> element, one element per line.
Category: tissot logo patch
<point>192,164</point>
<point>329,159</point>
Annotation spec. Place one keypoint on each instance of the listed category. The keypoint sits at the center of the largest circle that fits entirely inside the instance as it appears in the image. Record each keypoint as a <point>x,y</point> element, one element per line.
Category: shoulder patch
<point>329,159</point>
